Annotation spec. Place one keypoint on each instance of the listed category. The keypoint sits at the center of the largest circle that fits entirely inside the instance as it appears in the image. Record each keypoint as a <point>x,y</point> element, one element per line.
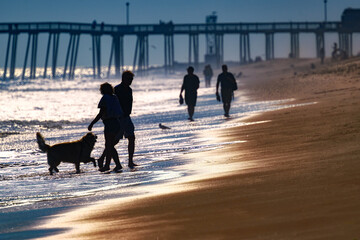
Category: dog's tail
<point>41,142</point>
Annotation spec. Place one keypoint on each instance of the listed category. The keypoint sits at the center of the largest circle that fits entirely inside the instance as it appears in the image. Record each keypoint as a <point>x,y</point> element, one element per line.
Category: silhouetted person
<point>190,84</point>
<point>110,113</point>
<point>208,73</point>
<point>93,25</point>
<point>123,92</point>
<point>228,86</point>
<point>334,52</point>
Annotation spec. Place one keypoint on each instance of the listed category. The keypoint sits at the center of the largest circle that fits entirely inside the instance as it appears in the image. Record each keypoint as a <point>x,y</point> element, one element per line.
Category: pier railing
<point>168,30</point>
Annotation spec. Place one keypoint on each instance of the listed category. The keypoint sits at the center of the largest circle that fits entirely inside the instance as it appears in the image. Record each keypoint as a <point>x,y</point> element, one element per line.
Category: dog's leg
<point>77,166</point>
<point>55,164</point>
<point>51,161</point>
<point>93,161</point>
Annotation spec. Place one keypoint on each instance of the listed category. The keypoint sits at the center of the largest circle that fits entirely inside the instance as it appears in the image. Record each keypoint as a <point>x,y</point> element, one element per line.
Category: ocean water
<point>61,110</point>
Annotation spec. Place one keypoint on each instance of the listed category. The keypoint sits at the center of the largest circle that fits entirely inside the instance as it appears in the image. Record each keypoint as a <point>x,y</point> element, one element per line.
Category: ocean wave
<point>5,134</point>
<point>11,127</point>
<point>6,165</point>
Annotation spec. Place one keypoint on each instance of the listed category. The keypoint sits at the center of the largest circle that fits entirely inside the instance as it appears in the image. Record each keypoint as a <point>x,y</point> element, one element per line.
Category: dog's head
<point>90,139</point>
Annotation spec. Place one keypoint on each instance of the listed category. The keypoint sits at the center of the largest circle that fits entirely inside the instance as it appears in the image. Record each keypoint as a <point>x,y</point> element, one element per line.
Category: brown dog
<point>72,152</point>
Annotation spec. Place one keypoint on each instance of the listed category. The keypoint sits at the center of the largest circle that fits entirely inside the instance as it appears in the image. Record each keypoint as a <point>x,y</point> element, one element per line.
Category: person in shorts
<point>124,93</point>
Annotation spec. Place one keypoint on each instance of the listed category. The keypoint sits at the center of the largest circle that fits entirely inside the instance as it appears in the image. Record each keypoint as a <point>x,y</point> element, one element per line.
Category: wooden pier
<point>144,31</point>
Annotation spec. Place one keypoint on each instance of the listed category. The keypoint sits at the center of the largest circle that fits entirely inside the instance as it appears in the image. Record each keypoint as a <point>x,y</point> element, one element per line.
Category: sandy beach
<point>293,174</point>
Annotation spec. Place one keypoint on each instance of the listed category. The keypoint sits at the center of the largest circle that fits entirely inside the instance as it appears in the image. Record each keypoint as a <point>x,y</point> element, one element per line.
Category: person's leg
<point>129,130</point>
<point>226,108</point>
<point>191,110</point>
<point>107,160</point>
<point>100,161</point>
<point>109,147</point>
<point>208,80</point>
<point>131,150</point>
<point>115,156</point>
<point>226,96</point>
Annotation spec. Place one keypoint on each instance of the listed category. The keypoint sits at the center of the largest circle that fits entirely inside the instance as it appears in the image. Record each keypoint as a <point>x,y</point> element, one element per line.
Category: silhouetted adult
<point>110,112</point>
<point>208,73</point>
<point>334,52</point>
<point>123,92</point>
<point>228,86</point>
<point>93,25</point>
<point>190,84</point>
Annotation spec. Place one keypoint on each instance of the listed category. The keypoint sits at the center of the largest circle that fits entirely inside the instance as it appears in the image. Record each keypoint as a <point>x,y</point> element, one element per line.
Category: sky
<point>183,11</point>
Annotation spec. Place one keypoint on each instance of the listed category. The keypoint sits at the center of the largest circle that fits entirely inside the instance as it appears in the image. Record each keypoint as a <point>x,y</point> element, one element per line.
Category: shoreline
<point>295,170</point>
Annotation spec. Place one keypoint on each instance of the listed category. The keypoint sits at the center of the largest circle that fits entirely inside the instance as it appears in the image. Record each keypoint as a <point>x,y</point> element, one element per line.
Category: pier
<point>144,31</point>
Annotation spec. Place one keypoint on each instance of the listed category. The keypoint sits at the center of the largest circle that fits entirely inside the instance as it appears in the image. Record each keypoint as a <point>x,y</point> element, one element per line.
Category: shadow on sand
<point>30,234</point>
<point>19,225</point>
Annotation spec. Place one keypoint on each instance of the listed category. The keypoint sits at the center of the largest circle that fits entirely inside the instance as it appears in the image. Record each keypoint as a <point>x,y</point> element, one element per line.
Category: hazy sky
<point>182,11</point>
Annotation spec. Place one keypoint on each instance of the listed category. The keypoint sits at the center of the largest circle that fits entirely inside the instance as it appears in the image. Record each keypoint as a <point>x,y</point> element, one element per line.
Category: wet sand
<point>296,176</point>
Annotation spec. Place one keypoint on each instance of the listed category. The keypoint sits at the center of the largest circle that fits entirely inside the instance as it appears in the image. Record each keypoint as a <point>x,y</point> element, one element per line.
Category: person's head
<point>224,68</point>
<point>190,70</point>
<point>106,88</point>
<point>127,77</point>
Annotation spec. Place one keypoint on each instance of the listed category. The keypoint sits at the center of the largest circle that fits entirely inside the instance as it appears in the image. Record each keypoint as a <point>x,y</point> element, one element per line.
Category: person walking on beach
<point>335,51</point>
<point>190,84</point>
<point>208,73</point>
<point>110,113</point>
<point>124,94</point>
<point>228,86</point>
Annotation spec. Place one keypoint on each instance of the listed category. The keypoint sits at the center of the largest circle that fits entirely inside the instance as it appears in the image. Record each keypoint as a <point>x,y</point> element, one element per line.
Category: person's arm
<point>182,87</point>
<point>217,89</point>
<point>234,80</point>
<point>96,119</point>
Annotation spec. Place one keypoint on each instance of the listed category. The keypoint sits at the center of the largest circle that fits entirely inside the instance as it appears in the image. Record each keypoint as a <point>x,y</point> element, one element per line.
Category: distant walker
<point>190,84</point>
<point>228,86</point>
